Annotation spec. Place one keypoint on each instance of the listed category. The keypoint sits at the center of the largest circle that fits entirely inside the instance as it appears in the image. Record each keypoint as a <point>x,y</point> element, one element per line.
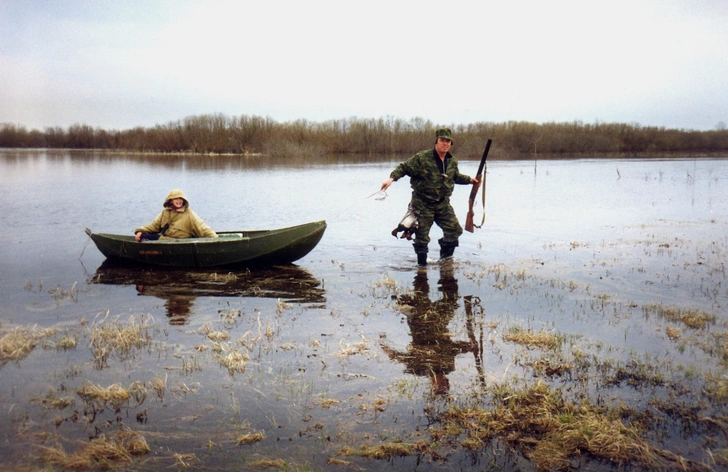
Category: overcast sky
<point>117,64</point>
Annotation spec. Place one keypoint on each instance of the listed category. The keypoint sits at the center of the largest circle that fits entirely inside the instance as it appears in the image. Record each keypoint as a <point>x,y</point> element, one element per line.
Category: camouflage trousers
<point>441,214</point>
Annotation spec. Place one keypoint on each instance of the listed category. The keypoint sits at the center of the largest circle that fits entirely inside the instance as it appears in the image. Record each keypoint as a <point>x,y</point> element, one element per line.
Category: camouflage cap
<point>443,133</point>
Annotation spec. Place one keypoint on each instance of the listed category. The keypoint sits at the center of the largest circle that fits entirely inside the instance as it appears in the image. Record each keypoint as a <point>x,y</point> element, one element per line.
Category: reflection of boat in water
<point>180,287</point>
<point>231,248</point>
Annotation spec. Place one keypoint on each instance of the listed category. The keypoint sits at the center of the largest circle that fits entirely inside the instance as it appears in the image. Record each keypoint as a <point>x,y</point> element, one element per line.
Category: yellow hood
<point>176,193</point>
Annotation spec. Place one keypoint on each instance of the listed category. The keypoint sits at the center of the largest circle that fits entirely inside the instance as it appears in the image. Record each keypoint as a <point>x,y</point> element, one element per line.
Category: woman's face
<point>177,203</point>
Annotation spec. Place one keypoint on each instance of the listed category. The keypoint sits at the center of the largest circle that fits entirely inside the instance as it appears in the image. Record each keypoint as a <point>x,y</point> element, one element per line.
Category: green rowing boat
<point>230,248</point>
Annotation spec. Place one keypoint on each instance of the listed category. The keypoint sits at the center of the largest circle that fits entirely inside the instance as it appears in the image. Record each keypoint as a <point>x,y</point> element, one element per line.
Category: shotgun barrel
<point>469,225</point>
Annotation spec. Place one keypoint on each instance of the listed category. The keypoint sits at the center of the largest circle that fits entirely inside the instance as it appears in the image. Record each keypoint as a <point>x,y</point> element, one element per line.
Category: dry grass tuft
<point>672,333</point>
<point>215,336</point>
<point>52,401</point>
<point>550,432</point>
<point>694,319</point>
<point>389,450</point>
<point>230,317</point>
<point>721,457</point>
<point>19,342</point>
<point>716,388</point>
<point>268,463</point>
<point>552,369</point>
<point>66,343</point>
<point>346,349</point>
<point>102,453</point>
<point>234,362</point>
<point>114,395</point>
<point>114,337</point>
<point>540,340</point>
<point>327,402</point>
<point>282,306</point>
<point>184,461</point>
<point>387,284</point>
<point>159,385</point>
<point>250,438</point>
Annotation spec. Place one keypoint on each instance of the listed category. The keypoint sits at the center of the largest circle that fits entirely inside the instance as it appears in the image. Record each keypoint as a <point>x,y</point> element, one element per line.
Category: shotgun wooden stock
<point>469,225</point>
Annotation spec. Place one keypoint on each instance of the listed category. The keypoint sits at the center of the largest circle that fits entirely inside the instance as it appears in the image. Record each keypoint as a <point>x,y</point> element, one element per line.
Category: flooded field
<point>583,327</point>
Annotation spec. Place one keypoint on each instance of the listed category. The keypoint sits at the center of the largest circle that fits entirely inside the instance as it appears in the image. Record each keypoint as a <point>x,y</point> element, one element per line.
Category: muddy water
<point>353,345</point>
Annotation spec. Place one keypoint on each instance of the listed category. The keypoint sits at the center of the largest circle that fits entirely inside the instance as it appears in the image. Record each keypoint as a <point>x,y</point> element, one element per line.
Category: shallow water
<point>342,351</point>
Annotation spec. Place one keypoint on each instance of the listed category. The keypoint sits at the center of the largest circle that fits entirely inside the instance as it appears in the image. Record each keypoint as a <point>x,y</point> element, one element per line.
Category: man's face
<point>177,203</point>
<point>442,145</point>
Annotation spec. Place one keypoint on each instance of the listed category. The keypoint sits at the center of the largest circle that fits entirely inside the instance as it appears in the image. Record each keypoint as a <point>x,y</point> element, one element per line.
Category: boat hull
<point>231,248</point>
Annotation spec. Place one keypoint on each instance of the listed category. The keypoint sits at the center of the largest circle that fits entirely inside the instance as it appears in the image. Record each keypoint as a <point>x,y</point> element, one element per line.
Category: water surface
<point>353,344</point>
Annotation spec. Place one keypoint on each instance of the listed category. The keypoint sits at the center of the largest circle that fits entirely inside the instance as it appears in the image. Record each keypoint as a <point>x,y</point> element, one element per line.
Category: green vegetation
<point>220,134</point>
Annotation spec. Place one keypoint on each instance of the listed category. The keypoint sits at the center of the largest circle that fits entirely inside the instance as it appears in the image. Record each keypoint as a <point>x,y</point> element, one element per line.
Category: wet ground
<point>595,295</point>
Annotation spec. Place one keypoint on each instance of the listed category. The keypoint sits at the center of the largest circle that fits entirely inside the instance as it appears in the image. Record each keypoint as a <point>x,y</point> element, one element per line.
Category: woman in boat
<point>176,221</point>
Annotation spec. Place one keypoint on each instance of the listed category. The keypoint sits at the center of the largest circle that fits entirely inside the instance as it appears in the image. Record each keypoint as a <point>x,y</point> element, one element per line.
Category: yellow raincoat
<point>183,223</point>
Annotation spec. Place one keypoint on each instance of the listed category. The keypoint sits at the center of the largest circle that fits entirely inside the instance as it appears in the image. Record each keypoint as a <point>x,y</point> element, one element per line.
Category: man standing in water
<point>433,174</point>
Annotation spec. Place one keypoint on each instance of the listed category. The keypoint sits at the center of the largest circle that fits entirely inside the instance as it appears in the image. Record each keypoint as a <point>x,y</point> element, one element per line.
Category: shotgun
<point>469,225</point>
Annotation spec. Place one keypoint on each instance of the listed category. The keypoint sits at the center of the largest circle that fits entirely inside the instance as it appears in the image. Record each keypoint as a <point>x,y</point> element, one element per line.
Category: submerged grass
<point>551,431</point>
<point>102,453</point>
<point>234,361</point>
<point>114,395</point>
<point>694,319</point>
<point>212,335</point>
<point>389,450</point>
<point>113,336</point>
<point>555,428</point>
<point>18,343</point>
<point>531,340</point>
<point>250,438</point>
<point>268,463</point>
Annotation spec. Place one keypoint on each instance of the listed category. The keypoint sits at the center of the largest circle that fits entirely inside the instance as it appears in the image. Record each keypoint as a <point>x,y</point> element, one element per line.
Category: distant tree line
<point>221,134</point>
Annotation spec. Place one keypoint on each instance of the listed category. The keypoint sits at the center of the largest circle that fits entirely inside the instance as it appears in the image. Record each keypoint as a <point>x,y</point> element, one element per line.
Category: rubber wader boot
<point>421,252</point>
<point>447,248</point>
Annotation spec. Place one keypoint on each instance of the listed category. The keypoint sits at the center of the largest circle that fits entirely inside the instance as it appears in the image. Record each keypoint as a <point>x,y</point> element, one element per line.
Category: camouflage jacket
<point>428,183</point>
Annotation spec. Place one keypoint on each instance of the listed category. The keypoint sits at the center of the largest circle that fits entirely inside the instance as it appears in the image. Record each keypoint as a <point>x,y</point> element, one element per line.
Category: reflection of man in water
<point>178,306</point>
<point>432,352</point>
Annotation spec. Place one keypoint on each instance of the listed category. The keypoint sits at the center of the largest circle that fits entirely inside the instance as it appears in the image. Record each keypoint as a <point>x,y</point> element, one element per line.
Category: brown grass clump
<point>250,438</point>
<point>19,342</point>
<point>672,333</point>
<point>716,388</point>
<point>234,362</point>
<point>327,402</point>
<point>721,457</point>
<point>113,337</point>
<point>540,340</point>
<point>52,401</point>
<point>694,319</point>
<point>389,450</point>
<point>550,431</point>
<point>114,395</point>
<point>215,336</point>
<point>102,453</point>
<point>552,369</point>
<point>66,343</point>
<point>184,461</point>
<point>159,385</point>
<point>268,463</point>
<point>349,350</point>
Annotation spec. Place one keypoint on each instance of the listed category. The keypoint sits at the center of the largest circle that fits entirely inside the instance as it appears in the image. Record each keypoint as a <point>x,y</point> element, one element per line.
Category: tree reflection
<point>432,351</point>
